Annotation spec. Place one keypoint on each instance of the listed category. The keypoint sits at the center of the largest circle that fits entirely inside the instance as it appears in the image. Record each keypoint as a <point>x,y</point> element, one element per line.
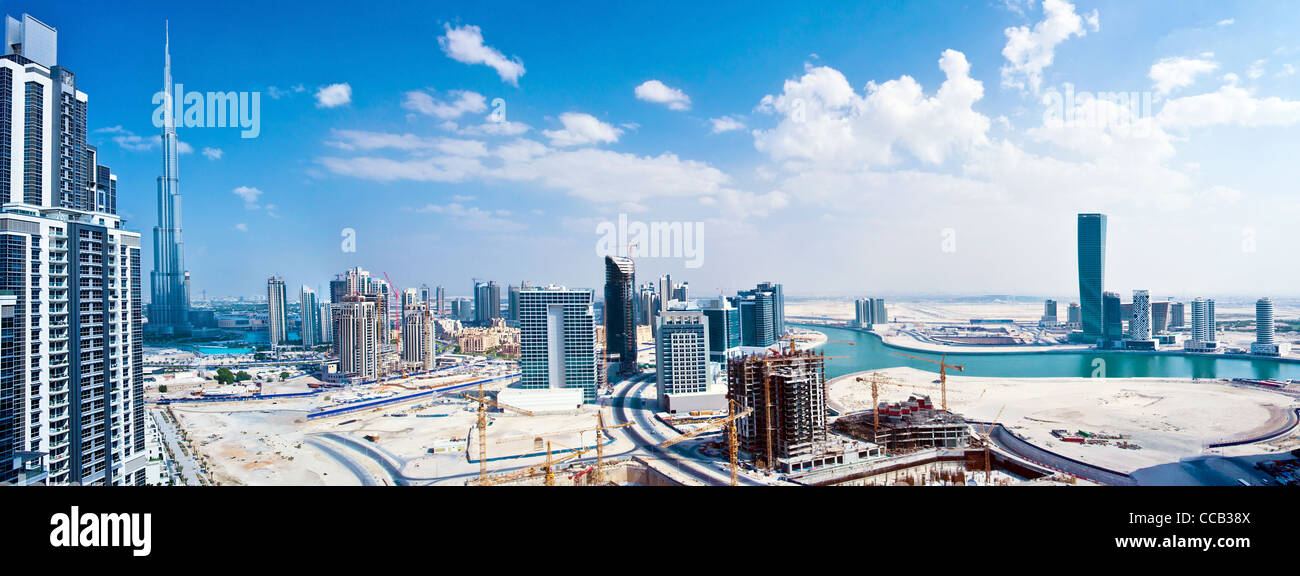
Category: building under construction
<point>787,430</point>
<point>907,426</point>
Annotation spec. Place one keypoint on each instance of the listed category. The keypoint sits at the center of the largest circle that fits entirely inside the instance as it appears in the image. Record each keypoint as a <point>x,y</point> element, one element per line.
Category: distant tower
<point>169,304</point>
<point>557,340</point>
<point>309,311</point>
<point>277,321</point>
<point>1264,330</point>
<point>1139,326</point>
<point>1092,272</point>
<point>620,326</point>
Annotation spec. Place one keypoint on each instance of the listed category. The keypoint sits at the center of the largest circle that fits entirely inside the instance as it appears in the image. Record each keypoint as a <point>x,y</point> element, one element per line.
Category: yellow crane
<point>483,403</point>
<point>733,443</point>
<point>943,372</point>
<point>546,467</point>
<point>598,475</point>
<point>984,440</point>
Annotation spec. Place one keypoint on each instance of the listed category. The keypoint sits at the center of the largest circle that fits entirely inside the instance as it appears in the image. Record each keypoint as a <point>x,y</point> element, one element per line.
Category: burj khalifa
<point>169,305</point>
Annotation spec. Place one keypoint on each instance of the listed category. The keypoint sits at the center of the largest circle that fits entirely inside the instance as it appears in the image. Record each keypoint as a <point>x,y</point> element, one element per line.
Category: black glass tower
<point>620,324</point>
<point>1092,272</point>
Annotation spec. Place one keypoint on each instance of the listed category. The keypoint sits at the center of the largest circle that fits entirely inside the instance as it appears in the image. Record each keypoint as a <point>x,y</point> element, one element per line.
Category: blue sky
<point>882,148</point>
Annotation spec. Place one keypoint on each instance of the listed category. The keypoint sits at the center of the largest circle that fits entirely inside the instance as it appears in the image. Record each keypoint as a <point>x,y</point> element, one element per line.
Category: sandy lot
<point>1169,418</point>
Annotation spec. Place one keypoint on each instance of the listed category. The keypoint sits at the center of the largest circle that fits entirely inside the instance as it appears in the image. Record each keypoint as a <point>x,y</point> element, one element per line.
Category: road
<point>645,435</point>
<point>352,466</point>
<point>189,469</point>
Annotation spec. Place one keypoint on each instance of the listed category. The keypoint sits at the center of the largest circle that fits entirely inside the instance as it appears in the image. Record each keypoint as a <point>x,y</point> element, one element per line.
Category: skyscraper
<point>440,306</point>
<point>169,304</point>
<point>309,312</point>
<point>1139,326</point>
<point>788,396</point>
<point>418,328</point>
<point>1203,337</point>
<point>1177,315</point>
<point>1112,318</point>
<point>1092,272</point>
<point>1264,328</point>
<point>277,320</point>
<point>757,329</point>
<point>557,340</point>
<point>681,352</point>
<point>1266,343</point>
<point>358,331</point>
<point>1049,313</point>
<point>620,326</point>
<point>723,328</point>
<point>72,406</point>
<point>487,302</point>
<point>778,307</point>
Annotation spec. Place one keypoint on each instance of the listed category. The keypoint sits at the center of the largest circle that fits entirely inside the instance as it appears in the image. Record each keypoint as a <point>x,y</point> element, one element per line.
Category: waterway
<point>869,353</point>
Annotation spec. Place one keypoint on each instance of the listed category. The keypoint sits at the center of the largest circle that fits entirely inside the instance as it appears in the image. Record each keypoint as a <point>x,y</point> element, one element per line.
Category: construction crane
<point>547,467</point>
<point>984,440</point>
<point>598,475</point>
<point>733,443</point>
<point>943,372</point>
<point>483,403</point>
<point>879,380</point>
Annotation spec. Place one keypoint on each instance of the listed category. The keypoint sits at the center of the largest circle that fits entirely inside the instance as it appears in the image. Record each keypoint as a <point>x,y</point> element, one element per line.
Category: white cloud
<point>1031,50</point>
<point>212,153</point>
<point>249,195</point>
<point>1256,69</point>
<point>726,124</point>
<point>129,140</point>
<point>1179,72</point>
<point>465,44</point>
<point>1225,22</point>
<point>333,95</point>
<point>488,128</point>
<point>473,217</point>
<point>368,140</point>
<point>825,122</point>
<point>242,227</point>
<point>660,93</point>
<point>1230,105</point>
<point>581,129</point>
<point>461,102</point>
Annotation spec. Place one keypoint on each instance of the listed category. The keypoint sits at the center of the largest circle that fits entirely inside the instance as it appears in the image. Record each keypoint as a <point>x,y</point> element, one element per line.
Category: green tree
<point>242,376</point>
<point>162,388</point>
<point>224,376</point>
<point>284,376</point>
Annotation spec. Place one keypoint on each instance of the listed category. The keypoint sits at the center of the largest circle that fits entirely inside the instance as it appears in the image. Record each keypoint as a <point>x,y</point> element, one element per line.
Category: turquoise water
<point>869,353</point>
<point>217,350</point>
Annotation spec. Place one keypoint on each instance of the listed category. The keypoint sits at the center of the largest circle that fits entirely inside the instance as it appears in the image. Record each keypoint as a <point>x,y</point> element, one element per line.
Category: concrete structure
<point>169,302</point>
<point>72,404</point>
<point>358,333</point>
<point>310,316</point>
<point>558,340</point>
<point>277,318</point>
<point>788,395</point>
<point>1159,317</point>
<point>910,425</point>
<point>1092,273</point>
<point>620,325</point>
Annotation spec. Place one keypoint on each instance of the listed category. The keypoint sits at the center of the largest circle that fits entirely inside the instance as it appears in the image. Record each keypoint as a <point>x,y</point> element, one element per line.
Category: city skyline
<point>977,181</point>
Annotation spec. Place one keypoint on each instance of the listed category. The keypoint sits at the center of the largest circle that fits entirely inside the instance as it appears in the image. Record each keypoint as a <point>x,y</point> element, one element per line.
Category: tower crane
<point>943,372</point>
<point>733,443</point>
<point>984,440</point>
<point>483,403</point>
<point>546,467</point>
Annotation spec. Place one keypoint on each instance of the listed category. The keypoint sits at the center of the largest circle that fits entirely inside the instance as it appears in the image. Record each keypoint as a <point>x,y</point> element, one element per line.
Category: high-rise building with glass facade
<point>1112,318</point>
<point>72,404</point>
<point>309,312</point>
<point>1139,325</point>
<point>723,328</point>
<point>1092,273</point>
<point>557,340</point>
<point>169,303</point>
<point>277,321</point>
<point>487,302</point>
<point>620,325</point>
<point>681,351</point>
